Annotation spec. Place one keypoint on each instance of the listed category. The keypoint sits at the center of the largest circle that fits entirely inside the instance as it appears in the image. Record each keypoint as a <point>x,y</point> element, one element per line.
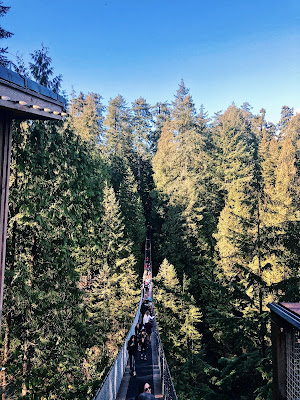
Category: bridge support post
<point>278,335</point>
<point>285,320</point>
<point>5,155</point>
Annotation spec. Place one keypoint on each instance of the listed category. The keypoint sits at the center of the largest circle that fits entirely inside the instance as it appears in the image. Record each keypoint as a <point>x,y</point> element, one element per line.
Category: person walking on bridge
<point>143,344</point>
<point>146,395</point>
<point>147,322</point>
<point>132,349</point>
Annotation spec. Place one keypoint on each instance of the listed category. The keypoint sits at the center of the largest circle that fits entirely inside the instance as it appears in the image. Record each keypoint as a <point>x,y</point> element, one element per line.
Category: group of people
<point>147,280</point>
<point>142,337</point>
<point>143,330</point>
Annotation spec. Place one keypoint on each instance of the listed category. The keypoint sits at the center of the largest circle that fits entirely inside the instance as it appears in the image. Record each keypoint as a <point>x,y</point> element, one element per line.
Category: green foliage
<point>3,35</point>
<point>141,124</point>
<point>132,212</point>
<point>42,70</point>
<point>118,134</point>
<point>71,287</point>
<point>178,319</point>
<point>227,196</point>
<point>86,117</point>
<point>111,296</point>
<point>44,316</point>
<point>125,147</point>
<point>161,114</point>
<point>223,199</point>
<point>286,116</point>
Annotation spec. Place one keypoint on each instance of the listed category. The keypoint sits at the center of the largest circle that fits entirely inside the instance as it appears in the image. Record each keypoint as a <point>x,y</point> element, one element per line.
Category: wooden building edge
<point>285,335</point>
<point>22,98</point>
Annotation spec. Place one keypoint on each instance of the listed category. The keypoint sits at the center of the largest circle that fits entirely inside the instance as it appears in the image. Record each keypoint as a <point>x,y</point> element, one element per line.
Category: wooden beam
<point>26,111</point>
<point>26,99</point>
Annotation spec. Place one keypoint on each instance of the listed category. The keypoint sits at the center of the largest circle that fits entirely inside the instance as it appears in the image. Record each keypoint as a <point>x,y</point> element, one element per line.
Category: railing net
<point>110,386</point>
<point>293,365</point>
<point>168,389</point>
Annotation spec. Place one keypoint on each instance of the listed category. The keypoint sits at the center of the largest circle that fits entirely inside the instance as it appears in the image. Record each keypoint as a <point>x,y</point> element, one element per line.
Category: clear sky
<point>224,50</point>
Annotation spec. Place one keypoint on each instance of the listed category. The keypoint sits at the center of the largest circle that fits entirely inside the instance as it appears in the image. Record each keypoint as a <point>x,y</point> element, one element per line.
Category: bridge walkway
<point>146,371</point>
<point>120,383</point>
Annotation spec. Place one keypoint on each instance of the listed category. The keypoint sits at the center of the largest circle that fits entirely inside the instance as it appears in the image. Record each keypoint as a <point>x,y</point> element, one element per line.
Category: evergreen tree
<point>132,212</point>
<point>43,315</point>
<point>86,117</point>
<point>118,140</point>
<point>20,67</point>
<point>164,162</point>
<point>161,114</point>
<point>286,115</point>
<point>142,134</point>
<point>121,159</point>
<point>141,123</point>
<point>166,172</point>
<point>41,69</point>
<point>112,297</point>
<point>55,206</point>
<point>183,110</point>
<point>118,135</point>
<point>178,165</point>
<point>284,212</point>
<point>293,132</point>
<point>178,319</point>
<point>4,35</point>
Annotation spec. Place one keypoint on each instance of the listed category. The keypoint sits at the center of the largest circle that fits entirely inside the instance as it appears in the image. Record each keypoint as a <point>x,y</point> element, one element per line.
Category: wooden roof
<point>23,98</point>
<point>293,307</point>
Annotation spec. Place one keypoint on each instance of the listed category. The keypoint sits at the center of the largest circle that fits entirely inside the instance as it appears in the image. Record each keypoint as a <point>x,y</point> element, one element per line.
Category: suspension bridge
<point>21,98</point>
<point>120,383</point>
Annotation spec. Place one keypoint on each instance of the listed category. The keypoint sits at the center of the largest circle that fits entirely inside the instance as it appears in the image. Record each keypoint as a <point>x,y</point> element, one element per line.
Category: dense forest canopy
<point>223,197</point>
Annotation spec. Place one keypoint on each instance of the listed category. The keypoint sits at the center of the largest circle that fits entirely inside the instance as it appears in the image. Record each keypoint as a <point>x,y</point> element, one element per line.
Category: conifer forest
<point>222,195</point>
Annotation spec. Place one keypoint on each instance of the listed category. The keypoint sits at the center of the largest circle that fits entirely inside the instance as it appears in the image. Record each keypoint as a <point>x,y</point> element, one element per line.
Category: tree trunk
<point>32,260</point>
<point>26,358</point>
<point>5,356</point>
<point>25,364</point>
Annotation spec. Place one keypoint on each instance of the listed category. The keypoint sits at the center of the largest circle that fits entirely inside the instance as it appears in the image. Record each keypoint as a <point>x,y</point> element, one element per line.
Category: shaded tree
<point>42,70</point>
<point>4,34</point>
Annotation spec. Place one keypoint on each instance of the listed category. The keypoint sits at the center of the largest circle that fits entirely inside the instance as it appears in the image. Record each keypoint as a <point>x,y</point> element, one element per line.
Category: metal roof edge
<point>287,315</point>
<point>26,83</point>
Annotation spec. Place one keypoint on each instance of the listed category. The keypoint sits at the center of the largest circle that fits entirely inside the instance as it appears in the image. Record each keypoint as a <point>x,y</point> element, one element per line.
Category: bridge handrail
<point>110,386</point>
<point>167,385</point>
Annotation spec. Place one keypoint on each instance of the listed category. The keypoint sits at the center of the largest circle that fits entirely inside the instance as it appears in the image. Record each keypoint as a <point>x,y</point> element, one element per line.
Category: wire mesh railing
<point>167,385</point>
<point>111,384</point>
<point>293,365</point>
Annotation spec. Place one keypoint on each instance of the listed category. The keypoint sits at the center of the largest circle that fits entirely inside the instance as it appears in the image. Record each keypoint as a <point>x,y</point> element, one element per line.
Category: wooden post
<point>278,335</point>
<point>5,154</point>
<point>285,319</point>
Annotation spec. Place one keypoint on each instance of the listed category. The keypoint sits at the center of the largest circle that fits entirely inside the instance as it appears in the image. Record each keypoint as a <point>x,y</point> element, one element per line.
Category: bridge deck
<point>146,371</point>
<point>154,370</point>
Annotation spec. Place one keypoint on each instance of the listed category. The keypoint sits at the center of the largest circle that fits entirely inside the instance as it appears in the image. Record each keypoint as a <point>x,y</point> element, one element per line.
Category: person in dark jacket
<point>144,308</point>
<point>132,349</point>
<point>137,331</point>
<point>143,344</point>
<point>146,395</point>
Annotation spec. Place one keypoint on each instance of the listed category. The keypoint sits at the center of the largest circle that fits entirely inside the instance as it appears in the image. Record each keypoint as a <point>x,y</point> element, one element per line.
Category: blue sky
<point>225,50</point>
